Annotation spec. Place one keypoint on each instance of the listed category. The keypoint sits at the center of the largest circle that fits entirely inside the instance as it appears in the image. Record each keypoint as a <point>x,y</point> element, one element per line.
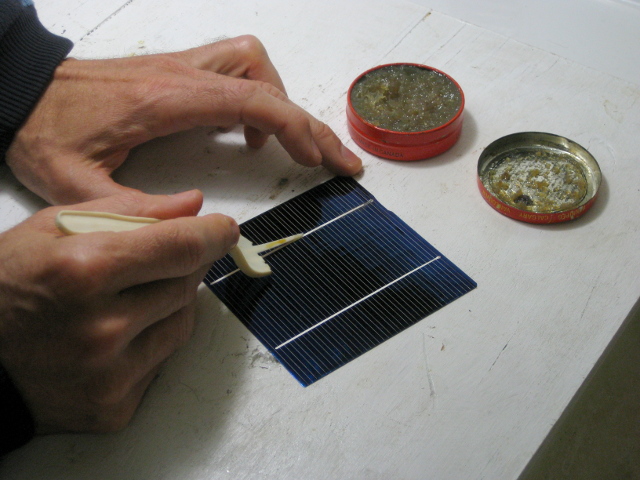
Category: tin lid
<point>405,145</point>
<point>538,177</point>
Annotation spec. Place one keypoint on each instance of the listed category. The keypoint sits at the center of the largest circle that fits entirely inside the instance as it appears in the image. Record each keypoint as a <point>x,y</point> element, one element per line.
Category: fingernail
<point>351,158</point>
<point>182,195</point>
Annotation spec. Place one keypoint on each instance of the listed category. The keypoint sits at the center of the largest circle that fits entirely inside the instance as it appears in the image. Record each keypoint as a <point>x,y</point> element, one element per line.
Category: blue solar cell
<point>359,276</point>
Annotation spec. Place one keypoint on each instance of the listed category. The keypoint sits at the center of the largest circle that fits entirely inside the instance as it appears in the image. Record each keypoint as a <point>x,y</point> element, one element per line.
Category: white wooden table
<point>469,392</point>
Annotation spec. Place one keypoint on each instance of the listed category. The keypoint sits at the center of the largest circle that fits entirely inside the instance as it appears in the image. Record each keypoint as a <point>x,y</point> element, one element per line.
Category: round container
<point>538,177</point>
<point>399,145</point>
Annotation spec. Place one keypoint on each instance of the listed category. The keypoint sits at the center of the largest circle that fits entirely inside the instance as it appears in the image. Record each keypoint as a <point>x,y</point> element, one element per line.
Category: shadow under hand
<point>219,164</point>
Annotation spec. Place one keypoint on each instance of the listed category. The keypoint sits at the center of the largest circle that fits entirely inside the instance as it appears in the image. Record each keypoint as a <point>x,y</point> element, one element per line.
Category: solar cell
<point>359,276</point>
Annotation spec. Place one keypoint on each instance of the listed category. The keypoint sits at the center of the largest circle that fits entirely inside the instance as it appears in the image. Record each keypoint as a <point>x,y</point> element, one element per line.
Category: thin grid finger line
<point>333,227</point>
<point>261,326</point>
<point>389,332</point>
<point>260,238</point>
<point>319,320</point>
<point>319,282</point>
<point>390,267</point>
<point>300,361</point>
<point>285,327</point>
<point>375,297</point>
<point>328,312</point>
<point>307,202</point>
<point>417,247</point>
<point>268,332</point>
<point>352,296</point>
<point>327,308</point>
<point>445,277</point>
<point>265,334</point>
<point>383,295</point>
<point>387,317</point>
<point>373,287</point>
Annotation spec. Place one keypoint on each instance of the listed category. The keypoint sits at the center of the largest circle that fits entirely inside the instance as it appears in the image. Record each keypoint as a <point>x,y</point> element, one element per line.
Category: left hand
<point>86,321</point>
<point>95,111</point>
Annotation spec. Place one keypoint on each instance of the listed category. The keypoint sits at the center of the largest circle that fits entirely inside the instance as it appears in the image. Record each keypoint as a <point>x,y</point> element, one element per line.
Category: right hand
<point>75,138</point>
<point>87,320</point>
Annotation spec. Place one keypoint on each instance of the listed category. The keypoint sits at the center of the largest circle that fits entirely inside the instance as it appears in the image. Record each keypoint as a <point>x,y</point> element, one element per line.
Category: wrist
<point>28,57</point>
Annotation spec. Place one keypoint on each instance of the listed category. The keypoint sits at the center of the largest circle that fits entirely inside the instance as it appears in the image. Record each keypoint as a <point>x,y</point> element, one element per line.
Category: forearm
<point>28,56</point>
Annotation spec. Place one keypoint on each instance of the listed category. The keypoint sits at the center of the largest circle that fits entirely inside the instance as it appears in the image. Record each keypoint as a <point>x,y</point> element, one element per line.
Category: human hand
<point>86,320</point>
<point>95,111</point>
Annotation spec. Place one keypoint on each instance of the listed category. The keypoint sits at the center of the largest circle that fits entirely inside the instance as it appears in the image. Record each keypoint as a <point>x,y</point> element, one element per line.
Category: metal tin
<point>566,166</point>
<point>405,146</point>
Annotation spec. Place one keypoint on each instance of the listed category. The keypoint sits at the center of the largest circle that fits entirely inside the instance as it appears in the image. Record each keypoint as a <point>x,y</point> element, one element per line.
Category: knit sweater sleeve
<point>28,56</point>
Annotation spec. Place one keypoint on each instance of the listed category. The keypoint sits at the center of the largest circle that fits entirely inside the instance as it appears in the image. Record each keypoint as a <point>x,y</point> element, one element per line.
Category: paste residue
<point>541,181</point>
<point>406,98</point>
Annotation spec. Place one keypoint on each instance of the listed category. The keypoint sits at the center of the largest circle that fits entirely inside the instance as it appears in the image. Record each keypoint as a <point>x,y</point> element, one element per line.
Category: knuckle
<point>164,75</point>
<point>190,247</point>
<point>249,45</point>
<point>245,89</point>
<point>104,341</point>
<point>73,270</point>
<point>275,92</point>
<point>323,132</point>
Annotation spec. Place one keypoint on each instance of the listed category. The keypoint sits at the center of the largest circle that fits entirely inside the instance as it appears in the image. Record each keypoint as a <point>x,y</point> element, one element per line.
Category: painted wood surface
<point>470,392</point>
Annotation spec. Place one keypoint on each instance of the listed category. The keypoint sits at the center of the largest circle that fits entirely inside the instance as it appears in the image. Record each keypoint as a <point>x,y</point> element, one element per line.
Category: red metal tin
<point>405,146</point>
<point>539,142</point>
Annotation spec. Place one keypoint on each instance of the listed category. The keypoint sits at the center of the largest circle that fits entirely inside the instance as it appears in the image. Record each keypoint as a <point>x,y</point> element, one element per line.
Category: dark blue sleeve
<point>29,55</point>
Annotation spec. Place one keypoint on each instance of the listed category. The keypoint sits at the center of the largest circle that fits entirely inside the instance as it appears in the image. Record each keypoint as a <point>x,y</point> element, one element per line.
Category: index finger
<point>240,57</point>
<point>215,99</point>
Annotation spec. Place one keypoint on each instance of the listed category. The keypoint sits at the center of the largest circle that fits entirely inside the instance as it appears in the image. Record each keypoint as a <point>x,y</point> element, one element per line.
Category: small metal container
<point>398,145</point>
<point>538,177</point>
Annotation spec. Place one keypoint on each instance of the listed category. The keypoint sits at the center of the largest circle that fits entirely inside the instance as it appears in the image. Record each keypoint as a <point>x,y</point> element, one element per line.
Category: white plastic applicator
<point>244,254</point>
<point>72,222</point>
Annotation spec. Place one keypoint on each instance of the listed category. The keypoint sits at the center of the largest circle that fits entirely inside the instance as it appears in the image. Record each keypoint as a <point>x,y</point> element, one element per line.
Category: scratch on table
<point>451,39</point>
<point>549,68</point>
<point>192,390</point>
<point>407,34</point>
<point>432,388</point>
<point>503,349</point>
<point>126,4</point>
<point>593,288</point>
